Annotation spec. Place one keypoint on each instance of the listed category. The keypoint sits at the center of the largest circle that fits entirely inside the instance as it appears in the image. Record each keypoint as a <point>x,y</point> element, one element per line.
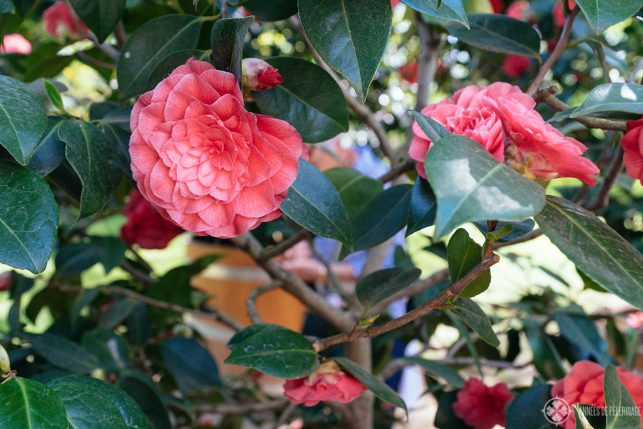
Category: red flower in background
<point>480,406</point>
<point>62,22</point>
<point>258,75</point>
<point>515,66</point>
<point>584,385</point>
<point>520,10</point>
<point>409,72</point>
<point>328,383</point>
<point>394,3</point>
<point>5,281</point>
<point>632,143</point>
<point>15,44</point>
<point>502,119</point>
<point>206,163</point>
<point>145,226</point>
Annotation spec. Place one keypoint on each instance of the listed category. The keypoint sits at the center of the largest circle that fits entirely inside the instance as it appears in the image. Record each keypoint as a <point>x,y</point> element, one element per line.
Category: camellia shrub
<point>474,168</point>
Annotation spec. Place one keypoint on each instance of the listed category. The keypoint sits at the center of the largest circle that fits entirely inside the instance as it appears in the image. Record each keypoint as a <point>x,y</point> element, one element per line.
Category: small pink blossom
<point>328,383</point>
<point>632,143</point>
<point>15,44</point>
<point>480,406</point>
<point>258,75</point>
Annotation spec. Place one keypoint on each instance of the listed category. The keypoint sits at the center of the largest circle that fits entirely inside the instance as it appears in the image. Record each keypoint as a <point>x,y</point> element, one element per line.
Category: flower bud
<point>328,383</point>
<point>258,75</point>
<point>5,364</point>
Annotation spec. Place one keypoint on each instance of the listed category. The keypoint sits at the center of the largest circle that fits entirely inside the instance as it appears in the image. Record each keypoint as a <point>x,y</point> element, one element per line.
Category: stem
<point>612,174</point>
<point>251,305</point>
<point>278,249</point>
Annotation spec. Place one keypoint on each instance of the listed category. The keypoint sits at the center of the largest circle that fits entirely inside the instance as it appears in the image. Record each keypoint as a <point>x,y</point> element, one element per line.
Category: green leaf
<point>313,202</point>
<point>51,151</point>
<point>609,98</point>
<point>381,284</point>
<point>119,141</point>
<point>110,348</point>
<point>581,420</point>
<point>350,36</point>
<point>354,188</point>
<point>498,33</point>
<point>149,45</point>
<point>547,359</point>
<point>54,96</point>
<point>275,10</point>
<point>578,329</point>
<point>26,235</point>
<point>507,231</point>
<point>191,364</point>
<point>434,130</point>
<point>471,185</point>
<point>308,99</point>
<point>595,248</point>
<point>112,251</point>
<point>463,254</point>
<point>275,351</point>
<point>91,156</point>
<point>62,352</point>
<point>449,10</point>
<point>437,370</point>
<point>27,404</point>
<point>382,217</point>
<point>7,6</point>
<point>91,403</point>
<point>372,383</point>
<point>624,411</point>
<point>227,40</point>
<point>526,411</point>
<point>476,319</point>
<point>604,13</point>
<point>23,119</point>
<point>172,61</point>
<point>117,313</point>
<point>101,16</point>
<point>146,394</point>
<point>422,207</point>
<point>75,258</point>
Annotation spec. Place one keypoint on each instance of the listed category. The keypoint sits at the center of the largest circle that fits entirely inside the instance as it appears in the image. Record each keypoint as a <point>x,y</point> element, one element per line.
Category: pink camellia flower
<point>584,385</point>
<point>258,75</point>
<point>635,320</point>
<point>15,44</point>
<point>145,226</point>
<point>328,383</point>
<point>480,406</point>
<point>632,143</point>
<point>515,66</point>
<point>502,119</point>
<point>497,5</point>
<point>203,161</point>
<point>5,281</point>
<point>394,3</point>
<point>559,15</point>
<point>519,10</point>
<point>62,22</point>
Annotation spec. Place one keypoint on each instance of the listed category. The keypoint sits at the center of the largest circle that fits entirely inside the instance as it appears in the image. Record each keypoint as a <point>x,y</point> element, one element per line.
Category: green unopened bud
<point>5,364</point>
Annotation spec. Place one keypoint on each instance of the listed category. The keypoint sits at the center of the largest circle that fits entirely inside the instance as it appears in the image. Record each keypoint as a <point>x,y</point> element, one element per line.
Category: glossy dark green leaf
<point>526,411</point>
<point>54,96</point>
<point>75,258</point>
<point>471,185</point>
<point>463,254</point>
<point>438,370</point>
<point>190,364</point>
<point>111,350</point>
<point>434,130</point>
<point>91,403</point>
<point>91,156</point>
<point>275,10</point>
<point>101,16</point>
<point>23,119</point>
<point>62,352</point>
<point>580,330</point>
<point>381,284</point>
<point>350,36</point>
<point>372,383</point>
<point>28,404</point>
<point>119,142</point>
<point>146,394</point>
<point>51,151</point>
<point>476,320</point>
<point>604,13</point>
<point>227,40</point>
<point>449,10</point>
<point>26,235</point>
<point>547,359</point>
<point>581,419</point>
<point>354,188</point>
<point>112,251</point>
<point>246,333</point>
<point>313,202</point>
<point>498,33</point>
<point>308,99</point>
<point>382,217</point>
<point>518,229</point>
<point>595,248</point>
<point>608,98</point>
<point>626,414</point>
<point>116,313</point>
<point>422,207</point>
<point>7,6</point>
<point>276,351</point>
<point>150,44</point>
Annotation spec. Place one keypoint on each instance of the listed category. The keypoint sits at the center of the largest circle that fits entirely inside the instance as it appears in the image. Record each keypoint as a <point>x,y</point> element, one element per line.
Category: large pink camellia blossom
<point>15,44</point>
<point>203,161</point>
<point>328,383</point>
<point>632,143</point>
<point>584,385</point>
<point>480,406</point>
<point>502,119</point>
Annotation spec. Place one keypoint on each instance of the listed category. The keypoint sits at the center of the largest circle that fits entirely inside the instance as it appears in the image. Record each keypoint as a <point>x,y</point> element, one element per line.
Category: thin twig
<point>285,415</point>
<point>251,305</point>
<point>276,250</point>
<point>136,273</point>
<point>398,364</point>
<point>120,34</point>
<point>556,53</point>
<point>437,302</point>
<point>397,171</point>
<point>241,408</point>
<point>610,179</point>
<point>95,62</point>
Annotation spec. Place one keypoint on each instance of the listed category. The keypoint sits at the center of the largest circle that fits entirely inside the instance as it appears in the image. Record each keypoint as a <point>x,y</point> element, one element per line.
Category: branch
<point>252,298</point>
<point>276,250</point>
<point>242,408</point>
<point>428,61</point>
<point>612,174</point>
<point>398,364</point>
<point>294,285</point>
<point>438,302</point>
<point>397,171</point>
<point>136,273</point>
<point>557,52</point>
<point>547,96</point>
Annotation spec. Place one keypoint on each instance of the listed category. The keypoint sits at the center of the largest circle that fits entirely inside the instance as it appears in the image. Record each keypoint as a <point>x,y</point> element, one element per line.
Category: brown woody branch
<point>276,404</point>
<point>251,305</point>
<point>276,250</point>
